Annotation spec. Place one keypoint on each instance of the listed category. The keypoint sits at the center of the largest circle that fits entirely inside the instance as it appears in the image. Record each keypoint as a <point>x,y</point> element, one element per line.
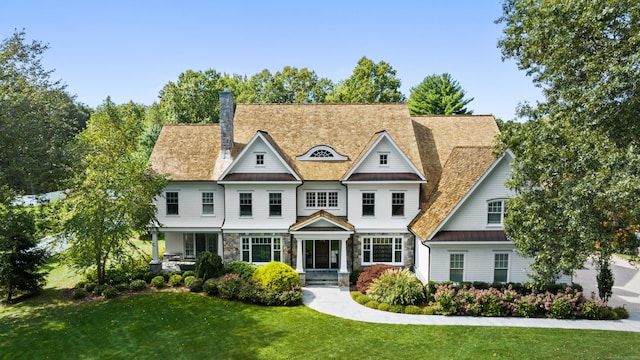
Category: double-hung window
<point>368,204</point>
<point>172,202</point>
<point>456,267</point>
<point>246,208</point>
<point>321,199</point>
<point>500,267</point>
<point>275,204</point>
<point>261,249</point>
<point>259,159</point>
<point>397,204</point>
<point>382,250</point>
<point>384,159</point>
<point>207,203</point>
<point>496,211</point>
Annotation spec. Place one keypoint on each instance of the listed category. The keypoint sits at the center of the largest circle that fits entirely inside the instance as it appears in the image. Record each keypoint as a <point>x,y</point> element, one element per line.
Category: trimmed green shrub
<point>138,285</point>
<point>396,309</point>
<point>188,280</point>
<point>369,274</point>
<point>189,273</point>
<point>372,304</point>
<point>158,282</point>
<point>395,286</point>
<point>79,293</point>
<point>428,310</point>
<point>362,299</point>
<point>175,272</point>
<point>242,268</point>
<point>110,292</point>
<point>175,280</point>
<point>148,276</point>
<point>122,286</point>
<point>412,309</point>
<point>383,307</point>
<point>209,266</point>
<point>210,286</point>
<point>90,286</point>
<point>620,312</point>
<point>277,276</point>
<point>196,285</point>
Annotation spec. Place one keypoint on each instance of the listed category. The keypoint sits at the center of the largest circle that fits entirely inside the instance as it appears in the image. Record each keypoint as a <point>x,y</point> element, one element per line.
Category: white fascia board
<point>297,182</point>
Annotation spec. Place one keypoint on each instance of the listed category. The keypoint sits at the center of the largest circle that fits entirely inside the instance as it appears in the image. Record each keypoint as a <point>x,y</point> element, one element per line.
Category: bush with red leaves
<point>369,274</point>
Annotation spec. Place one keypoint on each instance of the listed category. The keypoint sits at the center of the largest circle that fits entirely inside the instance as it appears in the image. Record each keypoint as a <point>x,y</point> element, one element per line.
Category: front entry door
<point>322,254</point>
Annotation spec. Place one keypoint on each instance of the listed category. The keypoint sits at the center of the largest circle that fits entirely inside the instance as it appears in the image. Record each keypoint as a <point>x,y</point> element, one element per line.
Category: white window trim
<point>502,212</point>
<point>362,204</point>
<point>213,214</point>
<point>166,207</point>
<point>508,264</point>
<point>335,156</point>
<point>257,154</point>
<point>394,240</point>
<point>240,206</point>
<point>273,248</point>
<point>327,192</point>
<point>386,154</point>
<point>281,204</point>
<point>464,264</point>
<point>404,204</point>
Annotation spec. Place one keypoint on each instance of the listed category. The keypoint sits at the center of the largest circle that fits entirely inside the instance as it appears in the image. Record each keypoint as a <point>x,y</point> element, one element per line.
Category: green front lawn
<point>183,325</point>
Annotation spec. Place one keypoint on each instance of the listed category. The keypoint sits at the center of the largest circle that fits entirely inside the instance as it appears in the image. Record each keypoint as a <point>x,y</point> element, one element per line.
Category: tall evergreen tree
<point>438,95</point>
<point>21,259</point>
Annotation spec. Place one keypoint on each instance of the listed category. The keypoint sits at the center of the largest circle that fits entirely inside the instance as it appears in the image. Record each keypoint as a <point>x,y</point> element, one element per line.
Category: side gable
<point>260,160</point>
<point>465,169</point>
<point>383,160</point>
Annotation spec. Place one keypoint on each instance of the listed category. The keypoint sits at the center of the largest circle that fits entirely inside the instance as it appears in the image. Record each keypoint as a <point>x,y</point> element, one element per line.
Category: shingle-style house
<point>329,188</point>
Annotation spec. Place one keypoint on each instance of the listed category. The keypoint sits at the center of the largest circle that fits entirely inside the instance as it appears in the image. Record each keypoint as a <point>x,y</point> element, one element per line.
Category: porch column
<point>156,264</point>
<point>299,255</point>
<point>343,256</point>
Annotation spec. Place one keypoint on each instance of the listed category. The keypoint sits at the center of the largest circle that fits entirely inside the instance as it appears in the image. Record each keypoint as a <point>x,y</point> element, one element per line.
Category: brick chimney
<point>226,124</point>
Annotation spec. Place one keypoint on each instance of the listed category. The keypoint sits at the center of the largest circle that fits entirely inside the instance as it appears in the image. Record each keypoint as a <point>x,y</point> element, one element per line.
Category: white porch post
<point>299,255</point>
<point>343,256</point>
<point>154,248</point>
<point>155,264</point>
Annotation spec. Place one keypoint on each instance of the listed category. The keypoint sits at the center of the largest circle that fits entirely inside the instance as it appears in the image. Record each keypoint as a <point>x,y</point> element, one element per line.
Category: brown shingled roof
<point>437,135</point>
<point>464,167</point>
<point>347,128</point>
<point>187,151</point>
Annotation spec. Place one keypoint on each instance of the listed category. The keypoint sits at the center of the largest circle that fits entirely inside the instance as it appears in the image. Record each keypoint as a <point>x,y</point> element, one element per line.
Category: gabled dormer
<point>383,160</point>
<point>260,161</point>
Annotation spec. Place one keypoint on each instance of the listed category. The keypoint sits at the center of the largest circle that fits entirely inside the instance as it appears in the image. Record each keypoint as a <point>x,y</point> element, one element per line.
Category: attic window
<point>321,153</point>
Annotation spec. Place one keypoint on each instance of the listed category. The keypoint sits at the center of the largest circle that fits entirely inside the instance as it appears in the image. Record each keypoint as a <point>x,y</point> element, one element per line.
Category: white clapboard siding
<point>478,262</point>
<point>396,161</point>
<point>190,205</point>
<point>382,218</point>
<point>247,163</point>
<point>259,218</point>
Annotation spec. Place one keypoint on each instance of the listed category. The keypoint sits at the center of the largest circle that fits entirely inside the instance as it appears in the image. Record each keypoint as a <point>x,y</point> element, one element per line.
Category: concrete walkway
<point>337,302</point>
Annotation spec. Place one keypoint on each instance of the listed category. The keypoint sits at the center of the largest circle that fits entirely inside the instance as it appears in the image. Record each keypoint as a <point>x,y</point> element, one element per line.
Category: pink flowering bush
<point>566,304</point>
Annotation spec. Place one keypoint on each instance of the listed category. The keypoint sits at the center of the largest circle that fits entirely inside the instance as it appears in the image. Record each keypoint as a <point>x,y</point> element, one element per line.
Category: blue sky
<point>130,49</point>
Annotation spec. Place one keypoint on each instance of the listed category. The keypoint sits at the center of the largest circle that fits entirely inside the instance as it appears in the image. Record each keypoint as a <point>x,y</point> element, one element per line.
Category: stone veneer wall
<point>408,245</point>
<point>232,246</point>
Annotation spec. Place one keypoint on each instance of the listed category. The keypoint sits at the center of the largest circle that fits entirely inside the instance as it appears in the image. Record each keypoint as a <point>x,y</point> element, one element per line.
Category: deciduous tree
<point>577,166</point>
<point>38,118</point>
<point>370,83</point>
<point>438,95</point>
<point>112,191</point>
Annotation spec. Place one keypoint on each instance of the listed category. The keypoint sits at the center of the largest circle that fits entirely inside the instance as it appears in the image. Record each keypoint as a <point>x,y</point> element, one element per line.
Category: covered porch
<point>321,249</point>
